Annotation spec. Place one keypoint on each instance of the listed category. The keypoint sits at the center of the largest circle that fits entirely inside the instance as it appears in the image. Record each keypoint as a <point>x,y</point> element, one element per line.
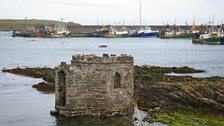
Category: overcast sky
<point>111,11</point>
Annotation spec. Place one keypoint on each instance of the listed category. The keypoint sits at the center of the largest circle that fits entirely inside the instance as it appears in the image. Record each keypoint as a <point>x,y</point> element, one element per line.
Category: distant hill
<point>32,24</point>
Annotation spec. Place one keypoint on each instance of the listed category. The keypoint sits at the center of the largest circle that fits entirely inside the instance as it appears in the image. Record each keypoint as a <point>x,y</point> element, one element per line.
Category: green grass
<point>7,24</point>
<point>188,119</point>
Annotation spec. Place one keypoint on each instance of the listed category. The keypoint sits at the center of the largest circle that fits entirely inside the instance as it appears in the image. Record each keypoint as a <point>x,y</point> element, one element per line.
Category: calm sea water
<point>21,105</point>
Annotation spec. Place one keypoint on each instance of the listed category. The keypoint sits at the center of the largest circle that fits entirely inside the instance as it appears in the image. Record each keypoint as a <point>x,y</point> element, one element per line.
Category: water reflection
<point>115,121</point>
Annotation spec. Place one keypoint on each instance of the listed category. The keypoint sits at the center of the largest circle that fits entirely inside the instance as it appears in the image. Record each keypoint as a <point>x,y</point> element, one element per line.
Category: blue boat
<point>147,32</point>
<point>140,34</point>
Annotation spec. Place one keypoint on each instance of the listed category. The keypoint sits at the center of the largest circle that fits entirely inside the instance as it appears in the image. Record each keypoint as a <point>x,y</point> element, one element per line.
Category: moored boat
<point>110,33</point>
<point>121,34</point>
<point>150,33</point>
<point>209,35</point>
<point>140,33</point>
<point>175,34</point>
<point>209,38</point>
<point>60,31</point>
<point>147,32</point>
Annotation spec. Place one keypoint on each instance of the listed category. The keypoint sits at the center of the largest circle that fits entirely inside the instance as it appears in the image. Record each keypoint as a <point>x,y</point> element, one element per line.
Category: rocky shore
<point>156,89</point>
<point>157,92</point>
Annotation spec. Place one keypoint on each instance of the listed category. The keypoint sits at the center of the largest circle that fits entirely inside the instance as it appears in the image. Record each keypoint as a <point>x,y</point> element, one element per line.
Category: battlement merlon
<point>123,58</point>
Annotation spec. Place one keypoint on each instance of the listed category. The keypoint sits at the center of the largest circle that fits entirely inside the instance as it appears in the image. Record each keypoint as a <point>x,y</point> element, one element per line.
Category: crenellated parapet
<point>123,58</point>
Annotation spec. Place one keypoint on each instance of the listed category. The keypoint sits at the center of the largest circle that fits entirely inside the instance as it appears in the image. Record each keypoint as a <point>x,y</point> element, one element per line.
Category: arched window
<point>117,80</point>
<point>62,88</point>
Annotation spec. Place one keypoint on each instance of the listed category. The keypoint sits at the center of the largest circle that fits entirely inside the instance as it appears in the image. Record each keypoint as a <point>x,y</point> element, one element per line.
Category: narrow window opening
<point>62,88</point>
<point>117,81</point>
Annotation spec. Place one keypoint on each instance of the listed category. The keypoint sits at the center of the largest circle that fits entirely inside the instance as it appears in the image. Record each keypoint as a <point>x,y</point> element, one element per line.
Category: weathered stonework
<point>95,86</point>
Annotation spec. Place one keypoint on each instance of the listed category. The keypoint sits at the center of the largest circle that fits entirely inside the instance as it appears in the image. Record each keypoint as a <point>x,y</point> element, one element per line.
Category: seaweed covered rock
<point>44,87</point>
<point>46,73</point>
<point>178,92</point>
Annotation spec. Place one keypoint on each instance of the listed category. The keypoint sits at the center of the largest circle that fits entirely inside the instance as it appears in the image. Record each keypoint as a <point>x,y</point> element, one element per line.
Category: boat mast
<point>140,13</point>
<point>25,24</point>
<point>193,25</point>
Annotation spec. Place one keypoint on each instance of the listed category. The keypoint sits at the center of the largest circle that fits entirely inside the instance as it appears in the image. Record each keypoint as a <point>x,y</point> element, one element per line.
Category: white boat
<point>121,33</point>
<point>146,31</point>
<point>60,30</point>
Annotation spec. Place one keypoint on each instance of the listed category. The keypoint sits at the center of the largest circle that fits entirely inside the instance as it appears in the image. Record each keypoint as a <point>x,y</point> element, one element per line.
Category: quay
<point>86,30</point>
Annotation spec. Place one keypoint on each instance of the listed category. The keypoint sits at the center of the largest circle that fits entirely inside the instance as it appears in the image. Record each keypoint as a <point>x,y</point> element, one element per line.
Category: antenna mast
<point>140,13</point>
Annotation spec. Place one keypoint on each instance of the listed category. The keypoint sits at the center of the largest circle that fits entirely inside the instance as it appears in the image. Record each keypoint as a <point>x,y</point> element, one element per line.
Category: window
<point>117,80</point>
<point>61,77</point>
<point>62,88</point>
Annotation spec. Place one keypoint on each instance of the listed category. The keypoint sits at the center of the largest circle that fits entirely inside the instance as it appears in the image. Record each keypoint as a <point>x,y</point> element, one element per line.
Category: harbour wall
<point>84,29</point>
<point>93,28</point>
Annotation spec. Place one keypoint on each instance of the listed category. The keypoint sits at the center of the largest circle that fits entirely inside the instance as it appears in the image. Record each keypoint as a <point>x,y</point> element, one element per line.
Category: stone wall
<point>95,86</point>
<point>93,28</point>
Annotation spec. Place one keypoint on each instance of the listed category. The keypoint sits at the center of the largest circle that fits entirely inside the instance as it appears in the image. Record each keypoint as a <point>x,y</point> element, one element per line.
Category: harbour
<point>111,63</point>
<point>196,33</point>
<point>50,52</point>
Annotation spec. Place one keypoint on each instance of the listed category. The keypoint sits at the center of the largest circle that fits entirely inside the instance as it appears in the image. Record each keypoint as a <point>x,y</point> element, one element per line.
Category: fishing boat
<point>175,32</point>
<point>121,34</point>
<point>195,33</point>
<point>60,31</point>
<point>146,31</point>
<point>110,33</point>
<point>213,38</point>
<point>211,35</point>
<point>150,33</point>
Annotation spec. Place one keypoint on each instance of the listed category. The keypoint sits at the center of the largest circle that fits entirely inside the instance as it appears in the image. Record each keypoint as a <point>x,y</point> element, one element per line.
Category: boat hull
<point>140,34</point>
<point>152,34</point>
<point>145,34</point>
<point>210,41</point>
<point>122,35</point>
<point>177,37</point>
<point>110,36</point>
<point>213,41</point>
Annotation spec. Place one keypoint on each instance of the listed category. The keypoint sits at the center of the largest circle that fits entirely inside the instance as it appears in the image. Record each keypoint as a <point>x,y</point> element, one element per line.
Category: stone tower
<point>95,86</point>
